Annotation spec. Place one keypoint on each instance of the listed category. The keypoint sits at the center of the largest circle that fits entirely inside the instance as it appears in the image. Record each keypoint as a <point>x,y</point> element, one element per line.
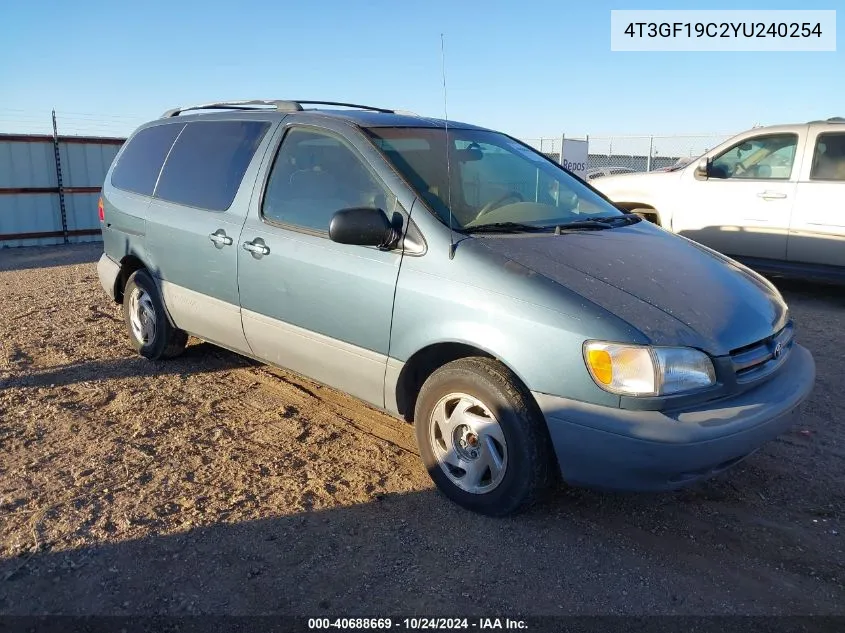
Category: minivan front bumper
<point>622,449</point>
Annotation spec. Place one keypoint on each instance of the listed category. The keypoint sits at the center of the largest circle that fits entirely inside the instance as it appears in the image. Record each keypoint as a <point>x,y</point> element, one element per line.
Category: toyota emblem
<point>778,350</point>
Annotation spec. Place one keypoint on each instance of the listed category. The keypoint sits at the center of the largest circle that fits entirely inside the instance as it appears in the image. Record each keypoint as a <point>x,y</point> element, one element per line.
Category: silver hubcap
<point>468,443</point>
<point>142,316</point>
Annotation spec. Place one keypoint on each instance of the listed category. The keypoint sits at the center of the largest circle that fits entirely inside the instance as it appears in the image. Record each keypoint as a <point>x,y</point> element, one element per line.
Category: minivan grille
<point>760,359</point>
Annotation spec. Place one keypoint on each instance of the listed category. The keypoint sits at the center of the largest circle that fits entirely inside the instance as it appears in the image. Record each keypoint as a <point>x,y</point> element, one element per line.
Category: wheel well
<point>128,265</point>
<point>423,364</point>
<point>646,210</point>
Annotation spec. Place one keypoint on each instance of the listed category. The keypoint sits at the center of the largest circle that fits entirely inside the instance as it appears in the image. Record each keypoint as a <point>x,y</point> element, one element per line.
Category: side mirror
<point>362,226</point>
<point>702,169</point>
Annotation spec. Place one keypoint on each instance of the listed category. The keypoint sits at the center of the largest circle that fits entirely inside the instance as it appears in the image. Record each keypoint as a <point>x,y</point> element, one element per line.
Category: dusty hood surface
<point>669,288</point>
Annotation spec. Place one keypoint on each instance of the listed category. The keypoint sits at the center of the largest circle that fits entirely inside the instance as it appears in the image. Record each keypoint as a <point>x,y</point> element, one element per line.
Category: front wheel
<point>482,439</point>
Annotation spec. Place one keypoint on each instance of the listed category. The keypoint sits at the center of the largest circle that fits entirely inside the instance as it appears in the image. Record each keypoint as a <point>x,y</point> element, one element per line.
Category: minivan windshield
<point>495,180</point>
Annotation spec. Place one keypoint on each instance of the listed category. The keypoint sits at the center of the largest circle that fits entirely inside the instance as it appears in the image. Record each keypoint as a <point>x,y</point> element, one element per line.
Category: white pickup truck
<point>772,198</point>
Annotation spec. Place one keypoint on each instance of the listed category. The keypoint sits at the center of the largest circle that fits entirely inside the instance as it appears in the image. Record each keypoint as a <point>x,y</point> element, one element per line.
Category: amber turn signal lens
<point>601,365</point>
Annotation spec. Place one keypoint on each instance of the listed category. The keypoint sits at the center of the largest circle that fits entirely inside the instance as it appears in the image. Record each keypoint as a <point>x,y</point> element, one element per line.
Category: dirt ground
<point>211,484</point>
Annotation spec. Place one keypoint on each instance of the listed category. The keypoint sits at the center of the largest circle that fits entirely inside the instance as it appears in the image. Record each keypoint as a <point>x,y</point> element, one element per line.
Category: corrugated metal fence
<point>49,187</point>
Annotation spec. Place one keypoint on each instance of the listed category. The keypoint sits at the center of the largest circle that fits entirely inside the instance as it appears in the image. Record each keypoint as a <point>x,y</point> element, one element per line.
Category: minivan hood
<point>674,291</point>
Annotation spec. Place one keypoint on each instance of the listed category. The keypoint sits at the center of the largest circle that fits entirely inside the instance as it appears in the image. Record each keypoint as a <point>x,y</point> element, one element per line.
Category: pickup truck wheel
<point>482,439</point>
<point>150,331</point>
<point>647,214</point>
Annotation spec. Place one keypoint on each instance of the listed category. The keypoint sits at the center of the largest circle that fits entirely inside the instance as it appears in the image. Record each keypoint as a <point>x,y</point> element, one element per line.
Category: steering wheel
<point>739,168</point>
<point>497,202</point>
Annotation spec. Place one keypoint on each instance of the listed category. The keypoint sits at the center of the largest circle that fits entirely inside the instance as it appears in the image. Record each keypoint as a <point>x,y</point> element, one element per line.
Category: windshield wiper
<point>506,227</point>
<point>581,225</point>
<point>597,223</point>
<point>613,219</point>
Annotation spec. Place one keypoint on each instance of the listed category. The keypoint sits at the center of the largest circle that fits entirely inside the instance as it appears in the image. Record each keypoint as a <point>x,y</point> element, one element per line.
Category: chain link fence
<point>17,121</point>
<point>606,154</point>
<point>619,154</point>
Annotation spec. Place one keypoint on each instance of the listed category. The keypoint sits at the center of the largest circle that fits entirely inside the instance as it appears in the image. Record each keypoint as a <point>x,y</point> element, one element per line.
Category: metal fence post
<point>589,160</point>
<point>562,140</point>
<point>650,152</point>
<point>59,179</point>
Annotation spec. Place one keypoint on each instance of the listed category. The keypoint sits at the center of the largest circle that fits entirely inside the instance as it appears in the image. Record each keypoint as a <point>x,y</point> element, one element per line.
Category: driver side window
<point>761,158</point>
<point>314,175</point>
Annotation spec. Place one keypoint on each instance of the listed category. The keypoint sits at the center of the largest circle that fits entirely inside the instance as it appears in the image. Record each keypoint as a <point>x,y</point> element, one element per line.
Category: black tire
<point>530,465</point>
<point>167,340</point>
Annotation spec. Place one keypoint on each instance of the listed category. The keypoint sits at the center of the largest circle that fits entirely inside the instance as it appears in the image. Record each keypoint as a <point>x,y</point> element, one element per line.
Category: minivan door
<point>194,223</point>
<point>319,308</point>
<point>817,233</point>
<point>743,208</point>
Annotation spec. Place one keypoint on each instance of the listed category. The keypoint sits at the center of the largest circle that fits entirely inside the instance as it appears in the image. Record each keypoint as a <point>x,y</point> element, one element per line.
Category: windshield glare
<point>493,178</point>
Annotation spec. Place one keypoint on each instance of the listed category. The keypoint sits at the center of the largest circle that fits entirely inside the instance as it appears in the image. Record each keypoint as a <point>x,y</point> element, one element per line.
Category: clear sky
<point>528,67</point>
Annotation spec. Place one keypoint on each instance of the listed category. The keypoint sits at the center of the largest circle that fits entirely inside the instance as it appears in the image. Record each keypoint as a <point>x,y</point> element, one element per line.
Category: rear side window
<point>829,157</point>
<point>141,160</point>
<point>208,162</point>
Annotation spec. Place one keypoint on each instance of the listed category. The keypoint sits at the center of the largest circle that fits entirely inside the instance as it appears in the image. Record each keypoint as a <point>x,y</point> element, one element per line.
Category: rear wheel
<point>150,331</point>
<point>482,439</point>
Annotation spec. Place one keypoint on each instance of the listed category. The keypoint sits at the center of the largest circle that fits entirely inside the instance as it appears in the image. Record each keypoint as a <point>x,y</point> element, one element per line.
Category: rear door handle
<point>771,195</point>
<point>257,247</point>
<point>220,238</point>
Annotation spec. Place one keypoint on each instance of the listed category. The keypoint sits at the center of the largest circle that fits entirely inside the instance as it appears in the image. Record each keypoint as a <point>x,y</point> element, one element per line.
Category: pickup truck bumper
<point>622,449</point>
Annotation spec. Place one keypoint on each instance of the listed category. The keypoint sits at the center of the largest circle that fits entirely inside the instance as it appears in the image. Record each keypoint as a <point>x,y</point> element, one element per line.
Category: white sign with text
<point>575,156</point>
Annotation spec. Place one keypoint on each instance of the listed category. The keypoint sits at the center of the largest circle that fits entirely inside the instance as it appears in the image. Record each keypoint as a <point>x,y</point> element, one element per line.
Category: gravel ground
<point>211,484</point>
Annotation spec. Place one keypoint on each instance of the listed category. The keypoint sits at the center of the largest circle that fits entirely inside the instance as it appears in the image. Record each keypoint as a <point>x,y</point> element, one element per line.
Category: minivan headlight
<point>640,370</point>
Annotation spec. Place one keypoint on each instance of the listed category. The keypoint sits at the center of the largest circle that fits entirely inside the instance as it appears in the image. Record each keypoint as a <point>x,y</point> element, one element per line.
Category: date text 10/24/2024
<point>416,623</point>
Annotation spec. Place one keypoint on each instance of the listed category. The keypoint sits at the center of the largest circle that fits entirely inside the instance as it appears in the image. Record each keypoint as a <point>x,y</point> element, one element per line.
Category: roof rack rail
<point>833,119</point>
<point>357,106</point>
<point>279,105</point>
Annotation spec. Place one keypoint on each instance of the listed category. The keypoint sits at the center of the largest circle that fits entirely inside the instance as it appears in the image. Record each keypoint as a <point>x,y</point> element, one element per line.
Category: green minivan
<point>455,277</point>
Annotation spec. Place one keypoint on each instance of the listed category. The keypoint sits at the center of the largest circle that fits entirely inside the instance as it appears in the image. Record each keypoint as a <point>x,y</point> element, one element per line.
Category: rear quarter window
<point>829,157</point>
<point>208,162</point>
<point>140,162</point>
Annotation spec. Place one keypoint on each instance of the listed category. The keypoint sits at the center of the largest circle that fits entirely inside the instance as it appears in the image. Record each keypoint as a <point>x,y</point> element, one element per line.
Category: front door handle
<point>771,195</point>
<point>257,247</point>
<point>220,238</point>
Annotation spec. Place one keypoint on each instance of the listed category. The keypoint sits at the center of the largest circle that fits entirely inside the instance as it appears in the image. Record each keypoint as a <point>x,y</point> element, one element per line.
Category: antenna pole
<point>448,161</point>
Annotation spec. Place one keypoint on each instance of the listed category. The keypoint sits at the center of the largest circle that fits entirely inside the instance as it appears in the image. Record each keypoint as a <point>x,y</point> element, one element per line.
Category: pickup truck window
<point>829,157</point>
<point>767,157</point>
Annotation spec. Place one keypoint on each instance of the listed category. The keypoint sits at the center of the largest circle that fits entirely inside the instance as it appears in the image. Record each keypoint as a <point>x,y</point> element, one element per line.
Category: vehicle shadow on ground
<point>27,257</point>
<point>795,289</point>
<point>199,358</point>
<point>412,553</point>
